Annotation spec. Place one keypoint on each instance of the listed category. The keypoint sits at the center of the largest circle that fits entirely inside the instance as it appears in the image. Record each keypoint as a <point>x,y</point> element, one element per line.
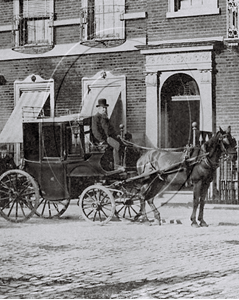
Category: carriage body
<point>55,154</point>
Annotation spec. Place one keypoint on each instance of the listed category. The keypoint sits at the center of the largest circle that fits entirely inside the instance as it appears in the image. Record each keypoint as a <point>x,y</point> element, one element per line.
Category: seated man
<point>103,131</point>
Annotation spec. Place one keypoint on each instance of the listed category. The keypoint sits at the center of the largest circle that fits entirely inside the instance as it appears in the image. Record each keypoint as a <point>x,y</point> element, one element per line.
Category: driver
<point>104,132</point>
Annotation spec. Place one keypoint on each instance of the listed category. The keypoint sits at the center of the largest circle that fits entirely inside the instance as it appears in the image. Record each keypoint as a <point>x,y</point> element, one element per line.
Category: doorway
<point>180,107</point>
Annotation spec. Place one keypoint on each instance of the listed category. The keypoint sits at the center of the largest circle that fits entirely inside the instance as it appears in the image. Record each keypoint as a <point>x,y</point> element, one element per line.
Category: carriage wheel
<point>19,196</point>
<point>127,201</point>
<point>51,209</point>
<point>97,204</point>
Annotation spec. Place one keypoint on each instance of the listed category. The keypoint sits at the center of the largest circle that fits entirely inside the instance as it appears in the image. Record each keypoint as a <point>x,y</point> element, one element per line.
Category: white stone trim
<point>193,12</point>
<point>5,28</point>
<point>159,67</point>
<point>72,49</point>
<point>38,84</point>
<point>194,40</point>
<point>181,49</point>
<point>136,15</point>
<point>179,61</point>
<point>66,22</point>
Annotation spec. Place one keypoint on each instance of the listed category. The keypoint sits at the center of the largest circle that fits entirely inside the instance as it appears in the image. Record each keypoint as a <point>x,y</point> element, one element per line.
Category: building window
<point>183,8</point>
<point>33,22</point>
<point>101,19</point>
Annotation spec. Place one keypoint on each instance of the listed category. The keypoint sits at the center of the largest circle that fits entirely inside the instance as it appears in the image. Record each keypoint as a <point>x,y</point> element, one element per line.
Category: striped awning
<point>12,131</point>
<point>111,93</point>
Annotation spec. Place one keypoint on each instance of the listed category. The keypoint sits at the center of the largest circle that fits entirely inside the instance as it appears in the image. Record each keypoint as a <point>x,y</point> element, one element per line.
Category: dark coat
<point>101,128</point>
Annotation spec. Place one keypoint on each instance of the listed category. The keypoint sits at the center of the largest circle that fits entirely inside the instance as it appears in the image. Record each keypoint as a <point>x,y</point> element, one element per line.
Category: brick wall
<point>67,73</point>
<point>69,9</point>
<point>6,12</point>
<point>135,5</point>
<point>161,28</point>
<point>6,39</point>
<point>227,89</point>
<point>66,34</point>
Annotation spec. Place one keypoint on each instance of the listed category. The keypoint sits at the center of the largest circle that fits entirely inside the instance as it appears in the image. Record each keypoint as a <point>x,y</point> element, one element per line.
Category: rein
<point>127,143</point>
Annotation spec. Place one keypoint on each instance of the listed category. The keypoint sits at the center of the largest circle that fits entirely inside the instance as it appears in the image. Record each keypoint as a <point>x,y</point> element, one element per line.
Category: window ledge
<point>5,28</point>
<point>67,22</point>
<point>193,12</point>
<point>136,15</point>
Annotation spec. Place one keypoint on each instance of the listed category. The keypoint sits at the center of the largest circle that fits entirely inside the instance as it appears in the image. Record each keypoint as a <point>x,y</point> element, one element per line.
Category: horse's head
<point>228,143</point>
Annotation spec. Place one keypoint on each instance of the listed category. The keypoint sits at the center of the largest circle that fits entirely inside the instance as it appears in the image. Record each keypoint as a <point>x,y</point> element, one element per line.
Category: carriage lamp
<point>121,130</point>
<point>75,129</point>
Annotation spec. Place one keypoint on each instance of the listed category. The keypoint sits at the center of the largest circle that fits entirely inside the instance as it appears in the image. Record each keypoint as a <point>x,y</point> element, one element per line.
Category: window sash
<point>36,8</point>
<point>103,19</point>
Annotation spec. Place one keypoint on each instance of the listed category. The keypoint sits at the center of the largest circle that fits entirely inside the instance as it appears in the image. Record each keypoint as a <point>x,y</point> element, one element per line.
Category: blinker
<point>225,140</point>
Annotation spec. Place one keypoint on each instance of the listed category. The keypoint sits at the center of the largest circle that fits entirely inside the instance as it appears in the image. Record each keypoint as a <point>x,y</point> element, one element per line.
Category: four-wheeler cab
<point>61,160</point>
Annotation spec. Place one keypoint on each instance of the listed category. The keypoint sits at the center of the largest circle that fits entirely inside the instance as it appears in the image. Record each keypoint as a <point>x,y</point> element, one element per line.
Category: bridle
<point>223,140</point>
<point>231,141</point>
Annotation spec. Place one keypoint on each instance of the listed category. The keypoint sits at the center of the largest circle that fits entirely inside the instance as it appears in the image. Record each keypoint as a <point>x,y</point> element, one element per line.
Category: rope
<point>127,143</point>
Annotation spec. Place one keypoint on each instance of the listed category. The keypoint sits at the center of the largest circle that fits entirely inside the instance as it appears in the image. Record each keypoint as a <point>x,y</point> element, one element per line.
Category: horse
<point>162,167</point>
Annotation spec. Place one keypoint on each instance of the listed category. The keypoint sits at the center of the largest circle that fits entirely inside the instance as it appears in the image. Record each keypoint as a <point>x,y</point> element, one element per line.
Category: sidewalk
<point>185,198</point>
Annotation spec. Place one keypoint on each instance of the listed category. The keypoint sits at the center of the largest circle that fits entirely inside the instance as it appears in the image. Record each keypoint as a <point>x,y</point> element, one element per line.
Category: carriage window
<point>51,140</point>
<point>31,141</point>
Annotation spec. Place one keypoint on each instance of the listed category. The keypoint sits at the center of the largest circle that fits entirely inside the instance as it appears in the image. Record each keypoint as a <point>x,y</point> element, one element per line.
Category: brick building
<point>162,64</point>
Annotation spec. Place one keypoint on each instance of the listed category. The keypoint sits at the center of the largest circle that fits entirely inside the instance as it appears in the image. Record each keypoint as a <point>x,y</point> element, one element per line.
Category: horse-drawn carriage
<point>62,163</point>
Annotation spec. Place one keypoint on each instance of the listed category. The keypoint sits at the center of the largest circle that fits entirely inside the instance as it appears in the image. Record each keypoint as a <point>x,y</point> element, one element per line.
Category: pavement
<point>72,258</point>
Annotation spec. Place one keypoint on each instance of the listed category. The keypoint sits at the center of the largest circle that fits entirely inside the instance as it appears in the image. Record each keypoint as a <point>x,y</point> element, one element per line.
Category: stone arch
<point>179,107</point>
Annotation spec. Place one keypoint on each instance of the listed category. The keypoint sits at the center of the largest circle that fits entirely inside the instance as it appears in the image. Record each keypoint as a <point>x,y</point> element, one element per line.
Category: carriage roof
<point>59,119</point>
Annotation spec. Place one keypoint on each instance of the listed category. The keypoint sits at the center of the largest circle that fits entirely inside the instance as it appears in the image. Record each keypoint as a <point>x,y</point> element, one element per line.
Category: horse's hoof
<point>136,218</point>
<point>195,225</point>
<point>156,222</point>
<point>145,222</point>
<point>203,224</point>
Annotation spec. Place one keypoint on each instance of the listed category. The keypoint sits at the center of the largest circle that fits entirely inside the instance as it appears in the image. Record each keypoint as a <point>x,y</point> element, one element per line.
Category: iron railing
<point>232,18</point>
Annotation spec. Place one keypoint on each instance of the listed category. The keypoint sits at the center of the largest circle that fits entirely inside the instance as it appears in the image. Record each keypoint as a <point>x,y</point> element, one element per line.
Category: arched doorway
<point>180,107</point>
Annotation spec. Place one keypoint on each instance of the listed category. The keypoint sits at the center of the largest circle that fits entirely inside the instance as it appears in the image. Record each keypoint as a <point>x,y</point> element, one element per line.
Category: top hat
<point>102,102</point>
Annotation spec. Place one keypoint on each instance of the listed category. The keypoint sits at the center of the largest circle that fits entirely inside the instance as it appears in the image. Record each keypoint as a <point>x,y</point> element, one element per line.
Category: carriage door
<point>180,107</point>
<point>53,175</point>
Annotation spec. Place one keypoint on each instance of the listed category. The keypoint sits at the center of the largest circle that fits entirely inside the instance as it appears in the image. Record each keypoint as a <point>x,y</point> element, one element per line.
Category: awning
<point>110,93</point>
<point>12,131</point>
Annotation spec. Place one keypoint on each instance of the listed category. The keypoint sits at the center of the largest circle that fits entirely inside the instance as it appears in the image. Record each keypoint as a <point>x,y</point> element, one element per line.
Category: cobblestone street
<point>70,258</point>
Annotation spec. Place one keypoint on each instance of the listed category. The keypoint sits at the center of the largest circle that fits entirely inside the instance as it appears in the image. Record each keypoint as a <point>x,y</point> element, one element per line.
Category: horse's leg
<point>142,216</point>
<point>142,210</point>
<point>157,219</point>
<point>204,190</point>
<point>196,195</point>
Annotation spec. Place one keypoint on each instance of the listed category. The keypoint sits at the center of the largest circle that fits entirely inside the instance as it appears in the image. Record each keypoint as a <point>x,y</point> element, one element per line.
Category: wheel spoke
<point>50,209</point>
<point>23,212</point>
<point>97,204</point>
<point>19,195</point>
